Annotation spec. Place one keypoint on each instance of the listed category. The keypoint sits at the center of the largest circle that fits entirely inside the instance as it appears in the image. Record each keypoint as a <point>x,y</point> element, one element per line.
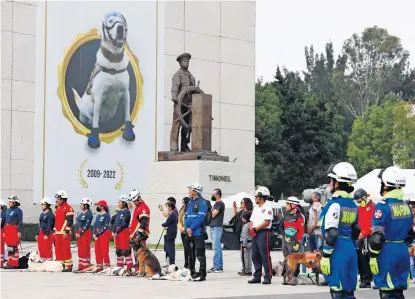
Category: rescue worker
<point>365,213</point>
<point>83,233</point>
<point>261,221</point>
<point>12,231</point>
<point>3,222</point>
<point>391,227</point>
<point>44,236</point>
<point>292,228</point>
<point>102,236</point>
<point>340,231</point>
<point>121,235</point>
<point>194,226</point>
<point>64,220</point>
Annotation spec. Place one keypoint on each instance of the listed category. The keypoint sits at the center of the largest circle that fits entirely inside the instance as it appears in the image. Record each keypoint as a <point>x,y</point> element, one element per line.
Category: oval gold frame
<point>79,128</point>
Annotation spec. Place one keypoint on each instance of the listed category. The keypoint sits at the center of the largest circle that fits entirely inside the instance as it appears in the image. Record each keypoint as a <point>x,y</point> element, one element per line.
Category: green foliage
<point>403,149</point>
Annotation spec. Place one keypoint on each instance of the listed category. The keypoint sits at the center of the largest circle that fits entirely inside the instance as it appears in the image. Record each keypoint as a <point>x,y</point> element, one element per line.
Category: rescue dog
<point>109,83</point>
<point>148,263</point>
<point>291,262</point>
<point>412,250</point>
<point>24,261</point>
<point>173,273</point>
<point>37,265</point>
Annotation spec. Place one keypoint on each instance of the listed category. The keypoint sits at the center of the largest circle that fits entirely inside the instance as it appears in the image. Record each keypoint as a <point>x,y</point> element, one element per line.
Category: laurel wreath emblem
<point>119,184</point>
<point>82,181</point>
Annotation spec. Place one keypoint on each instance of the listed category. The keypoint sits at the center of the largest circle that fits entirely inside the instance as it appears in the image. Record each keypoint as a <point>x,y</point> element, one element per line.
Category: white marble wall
<point>220,35</point>
<point>18,66</point>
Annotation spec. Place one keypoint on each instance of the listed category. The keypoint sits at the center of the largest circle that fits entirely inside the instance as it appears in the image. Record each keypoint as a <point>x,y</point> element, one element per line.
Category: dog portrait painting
<point>102,83</point>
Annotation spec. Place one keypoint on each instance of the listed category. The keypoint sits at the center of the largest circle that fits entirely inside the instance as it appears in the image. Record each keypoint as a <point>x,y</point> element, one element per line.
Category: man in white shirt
<point>261,221</point>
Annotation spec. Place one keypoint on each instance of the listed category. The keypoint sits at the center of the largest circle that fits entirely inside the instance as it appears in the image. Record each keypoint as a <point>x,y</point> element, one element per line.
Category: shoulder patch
<point>382,201</point>
<point>378,214</point>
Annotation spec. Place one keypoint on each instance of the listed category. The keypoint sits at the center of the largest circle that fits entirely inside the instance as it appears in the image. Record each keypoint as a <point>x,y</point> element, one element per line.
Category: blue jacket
<point>392,217</point>
<point>122,221</point>
<point>101,224</point>
<point>195,216</point>
<point>83,221</point>
<point>171,224</point>
<point>46,222</point>
<point>3,218</point>
<point>14,216</point>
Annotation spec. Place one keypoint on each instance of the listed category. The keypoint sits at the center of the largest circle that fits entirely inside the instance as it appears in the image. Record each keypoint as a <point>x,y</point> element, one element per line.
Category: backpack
<point>208,216</point>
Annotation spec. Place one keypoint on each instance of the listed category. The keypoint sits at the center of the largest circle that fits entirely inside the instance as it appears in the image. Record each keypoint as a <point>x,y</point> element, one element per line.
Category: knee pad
<point>126,253</point>
<point>11,249</point>
<point>118,252</point>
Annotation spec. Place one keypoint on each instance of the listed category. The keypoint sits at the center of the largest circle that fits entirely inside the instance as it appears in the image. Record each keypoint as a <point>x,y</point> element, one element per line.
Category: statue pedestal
<point>172,178</point>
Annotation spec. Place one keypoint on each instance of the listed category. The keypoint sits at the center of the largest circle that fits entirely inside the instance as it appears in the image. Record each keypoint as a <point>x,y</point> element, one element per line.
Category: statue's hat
<point>184,55</point>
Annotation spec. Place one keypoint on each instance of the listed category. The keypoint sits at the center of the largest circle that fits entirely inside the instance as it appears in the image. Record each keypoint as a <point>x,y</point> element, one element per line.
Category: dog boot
<point>128,131</point>
<point>93,138</point>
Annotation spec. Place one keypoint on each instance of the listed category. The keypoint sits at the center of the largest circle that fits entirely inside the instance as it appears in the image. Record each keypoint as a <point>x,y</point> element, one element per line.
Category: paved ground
<point>19,285</point>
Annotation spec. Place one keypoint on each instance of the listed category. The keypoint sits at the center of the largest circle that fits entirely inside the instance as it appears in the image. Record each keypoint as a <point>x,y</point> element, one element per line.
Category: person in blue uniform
<point>102,236</point>
<point>13,231</point>
<point>121,235</point>
<point>340,231</point>
<point>261,222</point>
<point>391,229</point>
<point>83,233</point>
<point>44,236</point>
<point>194,226</point>
<point>3,222</point>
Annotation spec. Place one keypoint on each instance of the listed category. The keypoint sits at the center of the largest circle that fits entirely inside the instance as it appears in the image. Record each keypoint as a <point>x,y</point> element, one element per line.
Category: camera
<point>323,190</point>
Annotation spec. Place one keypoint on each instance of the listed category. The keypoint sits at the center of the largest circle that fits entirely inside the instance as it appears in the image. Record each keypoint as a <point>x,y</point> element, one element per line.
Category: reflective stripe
<point>336,288</point>
<point>390,241</point>
<point>389,282</point>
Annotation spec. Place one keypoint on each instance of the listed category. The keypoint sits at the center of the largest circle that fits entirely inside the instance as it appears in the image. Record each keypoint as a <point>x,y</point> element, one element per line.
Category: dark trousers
<point>363,262</point>
<point>260,255</point>
<point>196,244</point>
<point>170,250</point>
<point>189,252</point>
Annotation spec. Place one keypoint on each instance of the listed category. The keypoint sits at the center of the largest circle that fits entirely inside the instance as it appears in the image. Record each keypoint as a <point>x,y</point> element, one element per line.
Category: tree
<point>403,149</point>
<point>376,62</point>
<point>267,130</point>
<point>370,143</point>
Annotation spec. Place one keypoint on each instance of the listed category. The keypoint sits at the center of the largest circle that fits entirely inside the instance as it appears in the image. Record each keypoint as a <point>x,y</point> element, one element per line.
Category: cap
<point>184,55</point>
<point>102,203</point>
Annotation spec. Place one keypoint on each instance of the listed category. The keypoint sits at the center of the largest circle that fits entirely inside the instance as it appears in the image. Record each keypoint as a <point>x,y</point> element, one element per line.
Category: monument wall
<point>220,35</point>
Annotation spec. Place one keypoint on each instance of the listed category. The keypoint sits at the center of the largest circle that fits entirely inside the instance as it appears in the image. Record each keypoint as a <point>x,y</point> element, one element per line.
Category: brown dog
<point>148,263</point>
<point>412,250</point>
<point>291,262</point>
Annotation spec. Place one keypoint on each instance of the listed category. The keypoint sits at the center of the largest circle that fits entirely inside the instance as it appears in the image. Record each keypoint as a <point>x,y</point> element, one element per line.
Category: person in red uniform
<point>365,214</point>
<point>3,222</point>
<point>140,220</point>
<point>121,235</point>
<point>102,236</point>
<point>292,228</point>
<point>12,231</point>
<point>63,228</point>
<point>44,237</point>
<point>83,233</point>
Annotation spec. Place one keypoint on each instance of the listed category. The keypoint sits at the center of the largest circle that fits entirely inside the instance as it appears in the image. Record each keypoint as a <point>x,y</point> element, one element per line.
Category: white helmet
<point>343,172</point>
<point>134,195</point>
<point>196,187</point>
<point>14,198</point>
<point>61,194</point>
<point>393,176</point>
<point>86,201</point>
<point>262,191</point>
<point>293,199</point>
<point>46,200</point>
<point>124,198</point>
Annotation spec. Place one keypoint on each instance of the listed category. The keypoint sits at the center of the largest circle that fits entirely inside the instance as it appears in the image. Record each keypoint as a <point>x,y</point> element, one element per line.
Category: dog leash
<point>162,232</point>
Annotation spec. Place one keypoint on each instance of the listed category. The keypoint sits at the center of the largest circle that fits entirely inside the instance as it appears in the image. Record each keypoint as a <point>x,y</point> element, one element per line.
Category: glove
<point>374,266</point>
<point>288,239</point>
<point>296,247</point>
<point>325,265</point>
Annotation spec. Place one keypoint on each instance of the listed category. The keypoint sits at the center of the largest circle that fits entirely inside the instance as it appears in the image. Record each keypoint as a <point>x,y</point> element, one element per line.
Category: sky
<point>285,27</point>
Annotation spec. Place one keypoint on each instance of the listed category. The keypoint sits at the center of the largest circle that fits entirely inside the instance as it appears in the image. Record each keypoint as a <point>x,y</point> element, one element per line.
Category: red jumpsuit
<point>142,211</point>
<point>365,218</point>
<point>2,243</point>
<point>63,227</point>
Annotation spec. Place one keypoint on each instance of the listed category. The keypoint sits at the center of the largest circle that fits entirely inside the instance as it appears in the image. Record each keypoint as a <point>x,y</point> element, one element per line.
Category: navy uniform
<point>261,241</point>
<point>391,229</point>
<point>340,230</point>
<point>194,222</point>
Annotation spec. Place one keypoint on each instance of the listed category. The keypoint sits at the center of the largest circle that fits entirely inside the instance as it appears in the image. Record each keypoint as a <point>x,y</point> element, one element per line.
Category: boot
<point>365,285</point>
<point>128,131</point>
<point>67,269</point>
<point>93,138</point>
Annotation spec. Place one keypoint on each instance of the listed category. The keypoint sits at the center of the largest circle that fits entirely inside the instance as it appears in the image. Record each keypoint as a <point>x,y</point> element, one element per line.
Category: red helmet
<point>101,203</point>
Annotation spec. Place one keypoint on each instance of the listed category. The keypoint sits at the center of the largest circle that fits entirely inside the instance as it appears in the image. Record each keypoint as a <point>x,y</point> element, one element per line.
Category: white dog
<point>109,83</point>
<point>175,274</point>
<point>37,265</point>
